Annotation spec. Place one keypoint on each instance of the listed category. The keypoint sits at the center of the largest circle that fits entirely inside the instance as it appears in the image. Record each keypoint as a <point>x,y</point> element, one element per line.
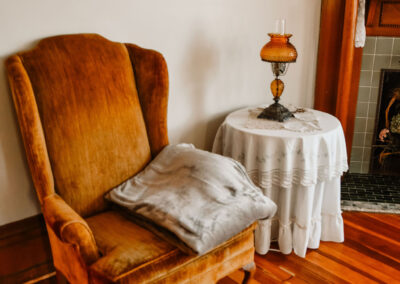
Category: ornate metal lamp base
<point>276,111</point>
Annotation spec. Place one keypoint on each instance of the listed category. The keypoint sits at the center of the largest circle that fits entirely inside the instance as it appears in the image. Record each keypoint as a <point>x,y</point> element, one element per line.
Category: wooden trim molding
<point>337,81</point>
<point>346,65</point>
<point>25,252</point>
<point>383,18</point>
<point>371,12</point>
<point>330,38</point>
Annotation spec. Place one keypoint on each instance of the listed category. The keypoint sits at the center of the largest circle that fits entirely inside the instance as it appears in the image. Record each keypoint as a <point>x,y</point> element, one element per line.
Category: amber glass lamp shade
<point>279,52</point>
<point>279,49</point>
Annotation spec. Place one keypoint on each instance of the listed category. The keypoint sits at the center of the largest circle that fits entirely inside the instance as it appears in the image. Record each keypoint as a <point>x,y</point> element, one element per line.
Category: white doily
<point>305,121</point>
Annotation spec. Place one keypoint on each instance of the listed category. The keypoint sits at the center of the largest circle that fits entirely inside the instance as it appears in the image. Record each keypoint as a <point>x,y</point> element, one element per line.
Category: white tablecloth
<point>300,172</point>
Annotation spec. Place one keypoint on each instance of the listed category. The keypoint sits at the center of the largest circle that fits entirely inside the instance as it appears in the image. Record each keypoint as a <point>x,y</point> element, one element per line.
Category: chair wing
<point>83,94</point>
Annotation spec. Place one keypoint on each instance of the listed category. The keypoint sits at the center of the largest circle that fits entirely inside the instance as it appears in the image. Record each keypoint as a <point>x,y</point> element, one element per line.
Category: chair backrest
<point>92,113</point>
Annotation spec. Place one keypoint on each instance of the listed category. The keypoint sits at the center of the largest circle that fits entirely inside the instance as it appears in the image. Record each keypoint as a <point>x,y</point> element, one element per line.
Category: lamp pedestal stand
<point>276,111</point>
<point>279,52</point>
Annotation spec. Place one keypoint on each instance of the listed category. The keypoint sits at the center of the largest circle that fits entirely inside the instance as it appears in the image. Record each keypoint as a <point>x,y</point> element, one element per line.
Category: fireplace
<point>385,148</point>
<point>380,59</point>
<point>378,186</point>
<point>348,86</point>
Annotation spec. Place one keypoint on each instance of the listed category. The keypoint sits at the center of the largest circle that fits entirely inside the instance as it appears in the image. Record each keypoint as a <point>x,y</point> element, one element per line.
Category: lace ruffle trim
<point>315,221</point>
<point>285,179</point>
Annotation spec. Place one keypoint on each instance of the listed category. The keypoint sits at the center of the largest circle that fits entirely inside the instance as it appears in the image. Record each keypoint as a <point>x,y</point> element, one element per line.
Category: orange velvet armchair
<point>92,114</point>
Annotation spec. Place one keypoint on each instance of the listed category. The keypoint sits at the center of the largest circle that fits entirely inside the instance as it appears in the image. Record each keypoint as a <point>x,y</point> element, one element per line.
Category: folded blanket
<point>202,198</point>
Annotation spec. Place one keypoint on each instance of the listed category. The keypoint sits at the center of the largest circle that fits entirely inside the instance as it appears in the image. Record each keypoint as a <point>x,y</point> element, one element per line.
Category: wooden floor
<point>370,254</point>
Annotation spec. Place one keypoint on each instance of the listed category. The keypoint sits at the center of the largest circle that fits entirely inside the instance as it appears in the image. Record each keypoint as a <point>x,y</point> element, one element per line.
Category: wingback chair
<point>92,114</point>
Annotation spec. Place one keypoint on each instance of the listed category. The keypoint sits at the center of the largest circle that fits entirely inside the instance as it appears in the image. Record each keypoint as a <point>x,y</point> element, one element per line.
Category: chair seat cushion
<point>202,198</point>
<point>132,252</point>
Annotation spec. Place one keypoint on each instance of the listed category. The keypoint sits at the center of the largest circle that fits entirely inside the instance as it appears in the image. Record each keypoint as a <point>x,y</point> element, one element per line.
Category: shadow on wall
<point>212,128</point>
<point>303,69</point>
<point>201,67</point>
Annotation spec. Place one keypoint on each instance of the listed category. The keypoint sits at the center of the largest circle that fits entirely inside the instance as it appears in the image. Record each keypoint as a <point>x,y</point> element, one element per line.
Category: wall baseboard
<point>25,252</point>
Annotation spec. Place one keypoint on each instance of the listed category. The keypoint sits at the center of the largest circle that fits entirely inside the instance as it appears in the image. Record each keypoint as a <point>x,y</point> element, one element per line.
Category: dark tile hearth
<point>371,188</point>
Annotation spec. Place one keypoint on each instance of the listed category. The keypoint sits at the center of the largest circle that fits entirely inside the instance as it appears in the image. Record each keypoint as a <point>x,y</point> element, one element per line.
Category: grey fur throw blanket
<point>202,198</point>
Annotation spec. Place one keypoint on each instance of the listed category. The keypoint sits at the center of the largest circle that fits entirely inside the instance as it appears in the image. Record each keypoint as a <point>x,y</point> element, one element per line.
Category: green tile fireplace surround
<point>379,53</point>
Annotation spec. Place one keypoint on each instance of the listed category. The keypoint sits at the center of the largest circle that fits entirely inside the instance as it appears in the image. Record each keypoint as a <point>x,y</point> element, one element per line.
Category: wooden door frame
<point>337,81</point>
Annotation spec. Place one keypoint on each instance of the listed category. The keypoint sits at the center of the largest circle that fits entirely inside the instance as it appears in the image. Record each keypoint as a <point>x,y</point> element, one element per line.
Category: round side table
<point>299,171</point>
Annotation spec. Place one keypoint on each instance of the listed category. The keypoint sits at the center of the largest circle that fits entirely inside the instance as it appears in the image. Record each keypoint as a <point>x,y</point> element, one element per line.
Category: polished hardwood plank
<point>369,254</point>
<point>393,220</point>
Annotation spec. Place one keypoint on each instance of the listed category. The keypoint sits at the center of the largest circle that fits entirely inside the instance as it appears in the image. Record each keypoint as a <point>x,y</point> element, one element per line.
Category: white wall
<point>211,47</point>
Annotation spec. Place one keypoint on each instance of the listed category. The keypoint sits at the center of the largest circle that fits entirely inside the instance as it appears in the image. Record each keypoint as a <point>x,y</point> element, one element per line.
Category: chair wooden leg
<point>60,278</point>
<point>249,272</point>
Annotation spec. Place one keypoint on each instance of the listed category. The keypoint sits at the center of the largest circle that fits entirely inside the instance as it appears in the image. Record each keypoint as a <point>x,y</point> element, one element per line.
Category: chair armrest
<point>70,227</point>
